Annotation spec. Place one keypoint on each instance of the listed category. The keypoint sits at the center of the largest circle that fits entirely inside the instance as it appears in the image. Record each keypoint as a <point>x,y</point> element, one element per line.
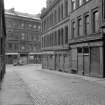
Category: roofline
<point>24,18</point>
<point>49,8</point>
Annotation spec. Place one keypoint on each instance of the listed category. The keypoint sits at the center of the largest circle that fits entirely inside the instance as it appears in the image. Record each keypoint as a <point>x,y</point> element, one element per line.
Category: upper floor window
<point>80,27</point>
<point>86,0</point>
<point>58,37</point>
<point>66,8</point>
<point>22,48</point>
<point>34,26</point>
<point>87,24</point>
<point>73,4</point>
<point>103,9</point>
<point>59,14</point>
<point>22,25</point>
<point>10,45</point>
<point>62,36</point>
<point>95,21</point>
<point>55,16</point>
<point>39,27</point>
<point>1,46</point>
<point>80,2</point>
<point>23,36</point>
<point>73,29</point>
<point>30,25</point>
<point>66,34</point>
<point>62,11</point>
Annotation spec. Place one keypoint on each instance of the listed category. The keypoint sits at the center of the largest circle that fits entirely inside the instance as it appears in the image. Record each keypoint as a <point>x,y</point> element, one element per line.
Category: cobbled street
<point>49,87</point>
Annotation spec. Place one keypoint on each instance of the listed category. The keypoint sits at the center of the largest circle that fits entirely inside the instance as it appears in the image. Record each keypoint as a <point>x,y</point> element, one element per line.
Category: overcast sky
<point>26,6</point>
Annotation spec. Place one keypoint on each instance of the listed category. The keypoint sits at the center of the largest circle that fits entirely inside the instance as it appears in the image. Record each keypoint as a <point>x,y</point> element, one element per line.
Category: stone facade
<point>86,38</point>
<point>2,41</point>
<point>72,30</point>
<point>55,32</point>
<point>23,37</point>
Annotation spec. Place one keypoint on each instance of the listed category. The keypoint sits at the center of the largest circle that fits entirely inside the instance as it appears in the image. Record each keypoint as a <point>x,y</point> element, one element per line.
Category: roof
<point>16,13</point>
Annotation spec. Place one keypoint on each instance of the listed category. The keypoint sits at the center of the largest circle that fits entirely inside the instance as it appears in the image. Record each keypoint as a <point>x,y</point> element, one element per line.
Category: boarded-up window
<point>95,60</point>
<point>74,59</point>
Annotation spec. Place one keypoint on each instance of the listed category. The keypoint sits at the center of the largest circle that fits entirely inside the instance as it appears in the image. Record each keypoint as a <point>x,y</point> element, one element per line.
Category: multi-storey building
<point>55,32</point>
<point>86,41</point>
<point>23,37</point>
<point>2,40</point>
<point>73,36</point>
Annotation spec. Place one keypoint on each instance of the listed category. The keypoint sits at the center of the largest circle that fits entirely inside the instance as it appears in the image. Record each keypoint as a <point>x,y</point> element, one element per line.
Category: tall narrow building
<point>2,40</point>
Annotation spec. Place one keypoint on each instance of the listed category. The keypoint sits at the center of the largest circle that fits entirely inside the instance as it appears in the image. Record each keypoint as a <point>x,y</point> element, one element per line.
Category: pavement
<point>14,91</point>
<point>49,87</point>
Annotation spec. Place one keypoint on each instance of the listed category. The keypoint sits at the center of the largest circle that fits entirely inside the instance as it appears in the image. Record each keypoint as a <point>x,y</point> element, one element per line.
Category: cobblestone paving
<point>14,91</point>
<point>53,88</point>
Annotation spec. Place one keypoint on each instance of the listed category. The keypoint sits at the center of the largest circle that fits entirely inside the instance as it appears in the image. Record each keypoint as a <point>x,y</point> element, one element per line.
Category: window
<point>30,25</point>
<point>59,14</point>
<point>58,37</point>
<point>52,21</point>
<point>55,16</point>
<point>22,48</point>
<point>16,46</point>
<point>85,50</point>
<point>66,8</point>
<point>42,42</point>
<point>34,26</point>
<point>62,11</point>
<point>73,29</point>
<point>62,36</point>
<point>50,40</point>
<point>104,9</point>
<point>80,27</point>
<point>55,38</point>
<point>66,34</point>
<point>86,0</point>
<point>95,21</point>
<point>87,27</point>
<point>80,2</point>
<point>79,50</point>
<point>23,36</point>
<point>22,25</point>
<point>1,46</point>
<point>73,4</point>
<point>39,27</point>
<point>10,45</point>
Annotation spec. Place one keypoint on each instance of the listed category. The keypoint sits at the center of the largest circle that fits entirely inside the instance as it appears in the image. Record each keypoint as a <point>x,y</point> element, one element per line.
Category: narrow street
<point>45,87</point>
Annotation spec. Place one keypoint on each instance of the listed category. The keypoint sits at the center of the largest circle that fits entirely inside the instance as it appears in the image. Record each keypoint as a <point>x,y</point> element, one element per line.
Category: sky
<point>26,6</point>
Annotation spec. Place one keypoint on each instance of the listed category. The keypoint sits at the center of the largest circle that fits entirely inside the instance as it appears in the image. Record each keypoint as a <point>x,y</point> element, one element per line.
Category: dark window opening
<point>85,50</point>
<point>79,50</point>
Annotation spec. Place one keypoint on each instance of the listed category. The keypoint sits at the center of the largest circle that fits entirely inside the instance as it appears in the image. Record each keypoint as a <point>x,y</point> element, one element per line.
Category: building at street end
<point>23,37</point>
<point>72,37</point>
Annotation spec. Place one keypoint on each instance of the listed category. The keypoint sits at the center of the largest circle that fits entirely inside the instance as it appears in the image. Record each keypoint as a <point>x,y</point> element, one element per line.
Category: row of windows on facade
<point>47,41</point>
<point>55,16</point>
<point>12,46</point>
<point>56,38</point>
<point>22,37</point>
<point>78,3</point>
<point>22,25</point>
<point>84,25</point>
